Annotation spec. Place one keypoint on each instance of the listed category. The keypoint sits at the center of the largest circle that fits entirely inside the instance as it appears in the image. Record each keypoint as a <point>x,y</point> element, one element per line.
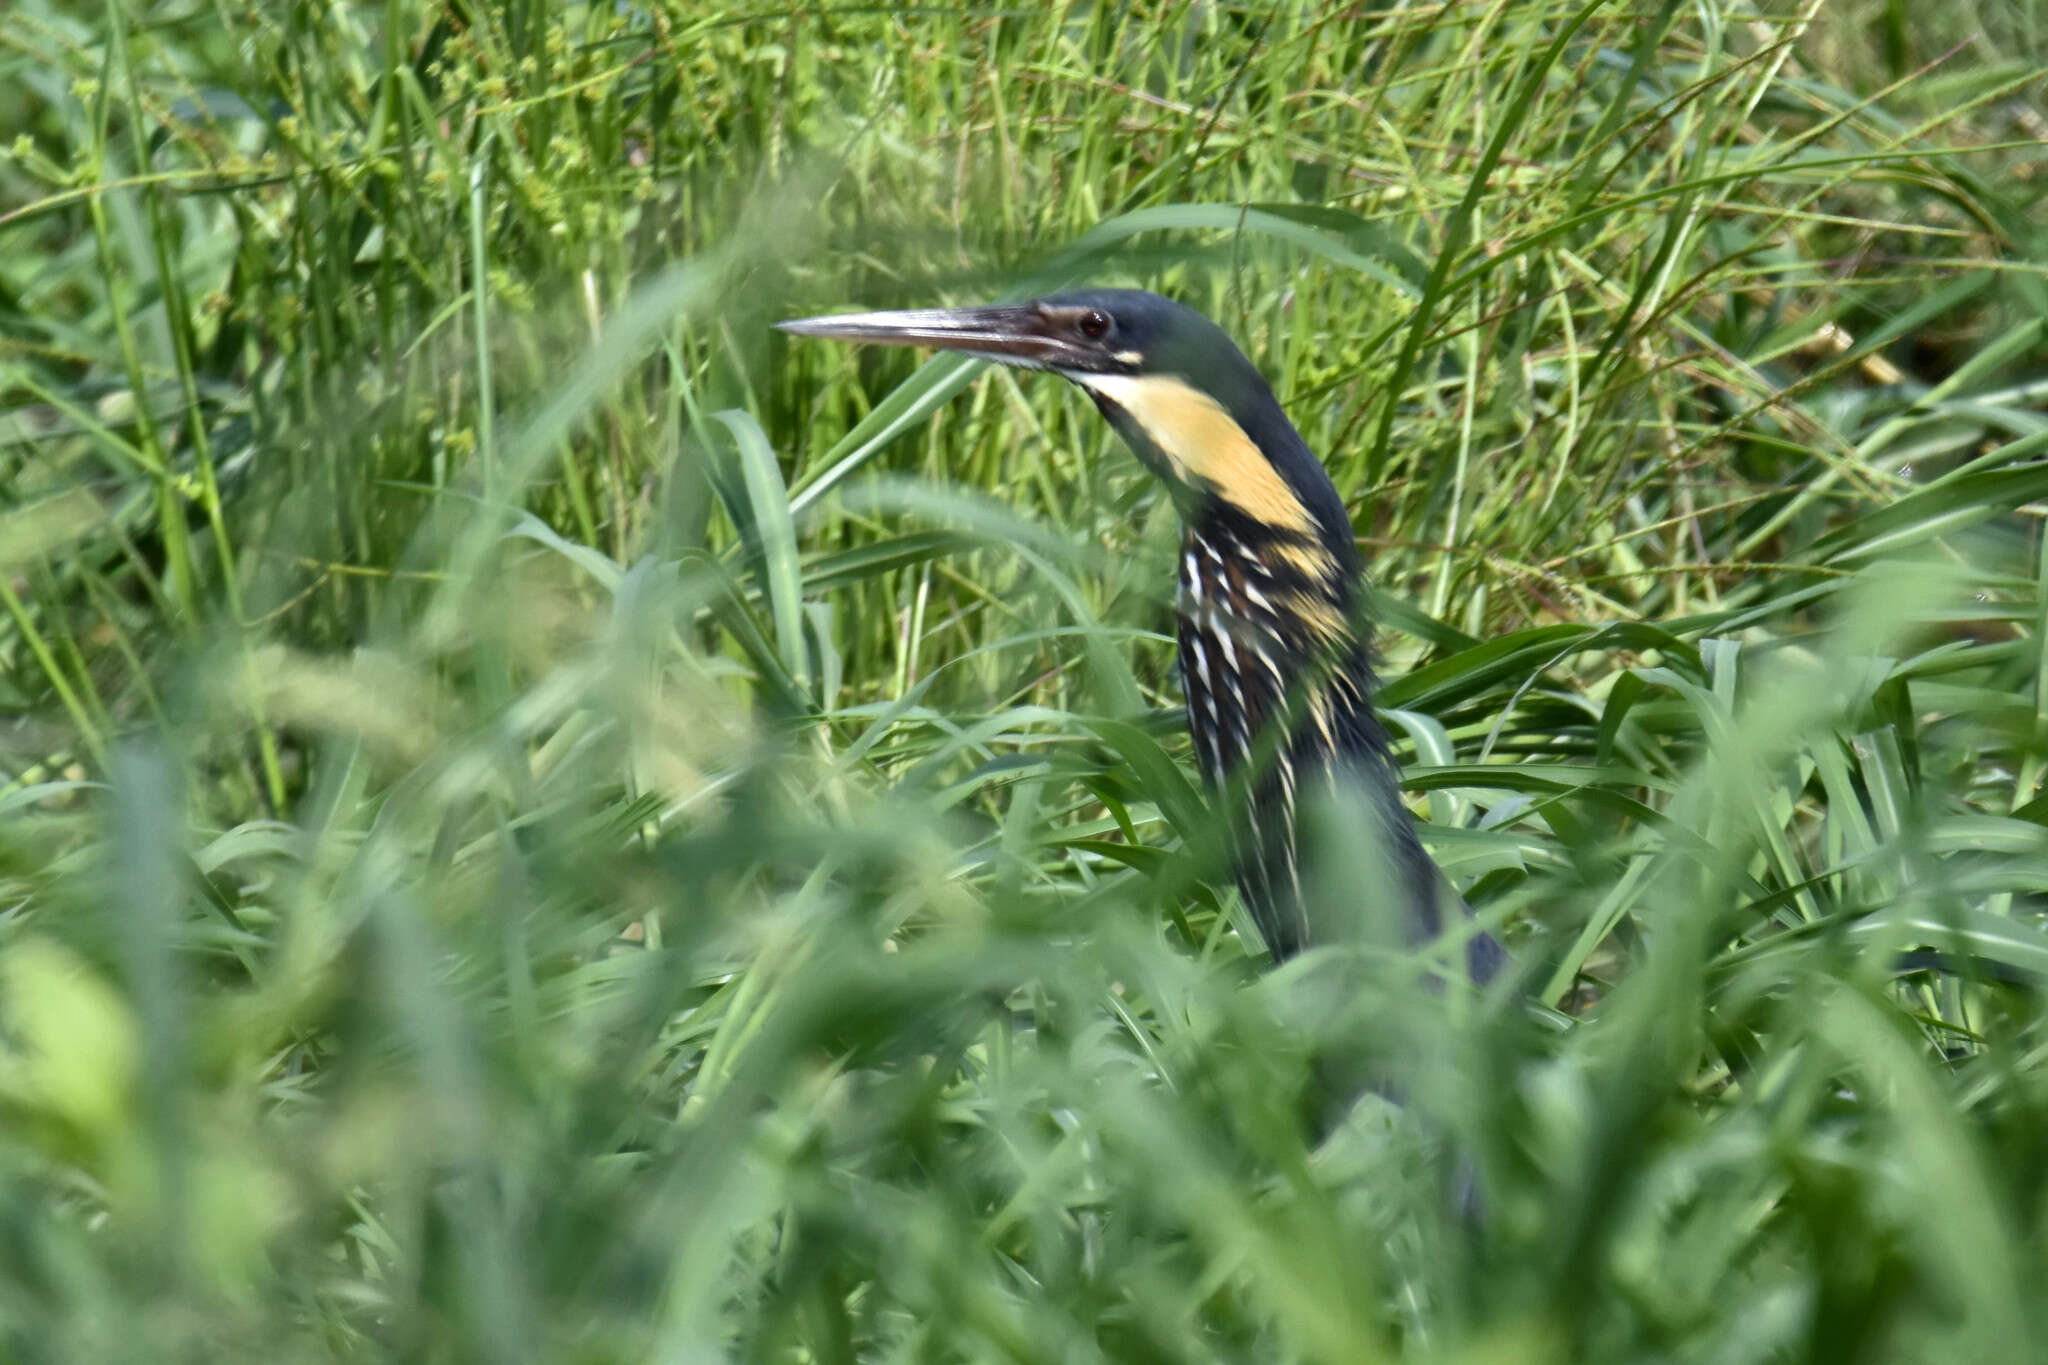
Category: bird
<point>1275,657</point>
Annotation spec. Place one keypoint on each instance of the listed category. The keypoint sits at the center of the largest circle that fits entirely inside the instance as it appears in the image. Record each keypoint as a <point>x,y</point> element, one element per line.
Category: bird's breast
<point>1266,649</point>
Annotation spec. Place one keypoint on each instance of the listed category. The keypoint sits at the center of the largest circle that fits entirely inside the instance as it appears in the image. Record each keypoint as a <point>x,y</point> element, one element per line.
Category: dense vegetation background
<point>544,821</point>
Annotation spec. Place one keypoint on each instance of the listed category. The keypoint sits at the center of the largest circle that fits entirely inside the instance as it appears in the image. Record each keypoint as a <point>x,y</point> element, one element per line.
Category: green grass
<point>541,820</point>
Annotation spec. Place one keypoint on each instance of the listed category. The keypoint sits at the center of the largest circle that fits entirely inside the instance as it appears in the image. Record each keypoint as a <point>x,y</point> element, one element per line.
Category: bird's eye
<point>1094,324</point>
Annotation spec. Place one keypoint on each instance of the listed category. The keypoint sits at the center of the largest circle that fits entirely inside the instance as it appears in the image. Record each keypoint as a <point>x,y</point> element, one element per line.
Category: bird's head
<point>1171,382</point>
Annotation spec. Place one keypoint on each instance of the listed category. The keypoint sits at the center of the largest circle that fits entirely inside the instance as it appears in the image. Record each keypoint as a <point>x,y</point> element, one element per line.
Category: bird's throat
<point>1188,437</point>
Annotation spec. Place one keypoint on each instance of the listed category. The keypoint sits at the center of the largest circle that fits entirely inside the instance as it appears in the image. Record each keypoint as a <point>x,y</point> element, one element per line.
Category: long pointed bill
<point>1012,334</point>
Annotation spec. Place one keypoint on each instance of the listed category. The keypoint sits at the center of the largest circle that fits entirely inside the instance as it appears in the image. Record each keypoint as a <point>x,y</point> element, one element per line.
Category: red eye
<point>1094,324</point>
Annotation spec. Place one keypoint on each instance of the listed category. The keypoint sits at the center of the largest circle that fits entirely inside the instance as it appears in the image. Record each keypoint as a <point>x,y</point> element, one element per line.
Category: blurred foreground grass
<point>544,822</point>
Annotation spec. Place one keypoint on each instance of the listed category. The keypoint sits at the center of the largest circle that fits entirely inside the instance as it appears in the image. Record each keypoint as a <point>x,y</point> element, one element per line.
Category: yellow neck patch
<point>1207,448</point>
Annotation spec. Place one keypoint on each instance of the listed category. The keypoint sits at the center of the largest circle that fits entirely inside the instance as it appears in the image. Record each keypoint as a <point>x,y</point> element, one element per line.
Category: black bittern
<point>1270,578</point>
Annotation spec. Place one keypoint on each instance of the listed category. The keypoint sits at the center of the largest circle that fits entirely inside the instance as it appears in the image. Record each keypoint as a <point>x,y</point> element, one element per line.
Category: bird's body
<point>1266,648</point>
<point>1276,670</point>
